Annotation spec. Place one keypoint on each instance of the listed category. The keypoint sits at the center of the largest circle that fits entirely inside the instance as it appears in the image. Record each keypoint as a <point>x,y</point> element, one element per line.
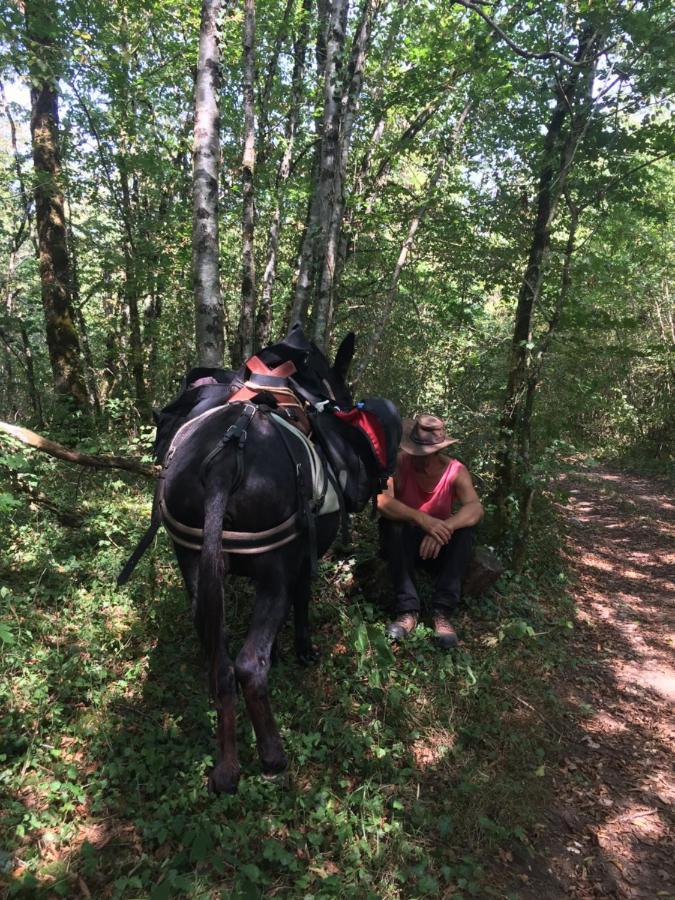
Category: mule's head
<point>333,379</point>
<point>314,372</point>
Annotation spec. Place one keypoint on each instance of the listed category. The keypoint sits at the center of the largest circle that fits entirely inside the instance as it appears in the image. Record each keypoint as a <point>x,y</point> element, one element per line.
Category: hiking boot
<point>400,628</point>
<point>446,636</point>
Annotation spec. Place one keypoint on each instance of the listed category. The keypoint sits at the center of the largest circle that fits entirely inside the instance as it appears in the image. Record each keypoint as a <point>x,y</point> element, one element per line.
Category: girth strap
<point>305,503</point>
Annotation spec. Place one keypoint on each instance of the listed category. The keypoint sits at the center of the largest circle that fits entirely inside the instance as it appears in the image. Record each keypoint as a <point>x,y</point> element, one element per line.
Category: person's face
<point>424,464</point>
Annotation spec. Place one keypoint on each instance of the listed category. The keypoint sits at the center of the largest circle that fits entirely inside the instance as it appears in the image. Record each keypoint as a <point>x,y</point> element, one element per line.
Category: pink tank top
<point>437,503</point>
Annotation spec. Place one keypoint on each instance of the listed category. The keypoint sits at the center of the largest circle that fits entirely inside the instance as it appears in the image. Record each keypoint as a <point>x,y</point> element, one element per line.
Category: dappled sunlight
<point>604,722</point>
<point>617,785</point>
<point>432,749</point>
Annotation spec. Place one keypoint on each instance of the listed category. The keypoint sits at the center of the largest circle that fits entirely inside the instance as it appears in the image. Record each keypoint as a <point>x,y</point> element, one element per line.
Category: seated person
<point>418,526</point>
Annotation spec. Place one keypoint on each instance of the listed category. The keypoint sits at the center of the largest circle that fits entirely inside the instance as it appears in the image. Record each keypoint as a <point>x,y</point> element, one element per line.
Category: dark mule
<point>218,499</point>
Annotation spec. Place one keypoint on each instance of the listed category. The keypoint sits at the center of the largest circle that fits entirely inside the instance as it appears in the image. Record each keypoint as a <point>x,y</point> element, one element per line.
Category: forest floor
<point>535,762</point>
<point>610,831</point>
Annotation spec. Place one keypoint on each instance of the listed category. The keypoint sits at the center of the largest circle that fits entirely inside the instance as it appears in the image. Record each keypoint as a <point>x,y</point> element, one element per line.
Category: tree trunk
<point>527,488</point>
<point>248,285</point>
<point>33,392</point>
<point>111,313</point>
<point>89,368</point>
<point>264,319</point>
<point>325,301</point>
<point>321,198</point>
<point>558,153</point>
<point>206,165</point>
<point>62,338</point>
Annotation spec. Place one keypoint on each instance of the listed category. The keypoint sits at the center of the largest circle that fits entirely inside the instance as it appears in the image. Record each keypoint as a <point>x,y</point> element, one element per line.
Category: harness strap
<point>236,432</point>
<point>271,381</point>
<point>231,548</point>
<point>315,402</point>
<point>344,516</point>
<point>305,505</point>
<point>141,547</point>
<point>234,537</point>
<point>187,428</point>
<point>321,442</point>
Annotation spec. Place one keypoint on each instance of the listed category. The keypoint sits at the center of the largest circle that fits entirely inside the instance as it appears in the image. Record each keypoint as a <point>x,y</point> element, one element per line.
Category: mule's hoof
<point>223,780</point>
<point>281,779</point>
<point>307,656</point>
<point>274,768</point>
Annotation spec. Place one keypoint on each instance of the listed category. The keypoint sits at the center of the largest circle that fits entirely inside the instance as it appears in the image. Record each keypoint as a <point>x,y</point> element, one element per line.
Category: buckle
<point>321,405</point>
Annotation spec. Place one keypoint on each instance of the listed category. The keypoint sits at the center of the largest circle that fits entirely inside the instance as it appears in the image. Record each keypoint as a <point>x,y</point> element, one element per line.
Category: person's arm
<point>471,509</point>
<point>391,508</point>
<point>470,513</point>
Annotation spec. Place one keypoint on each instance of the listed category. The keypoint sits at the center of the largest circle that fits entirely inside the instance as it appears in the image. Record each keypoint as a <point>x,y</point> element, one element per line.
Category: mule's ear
<point>343,357</point>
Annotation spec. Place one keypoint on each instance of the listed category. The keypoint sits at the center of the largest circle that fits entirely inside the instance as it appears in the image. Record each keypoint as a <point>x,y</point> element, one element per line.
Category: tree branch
<point>520,51</point>
<point>31,439</point>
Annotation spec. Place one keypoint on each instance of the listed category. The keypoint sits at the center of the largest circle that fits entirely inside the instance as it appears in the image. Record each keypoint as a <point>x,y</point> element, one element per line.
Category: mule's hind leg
<point>253,664</point>
<point>224,776</point>
<point>305,651</point>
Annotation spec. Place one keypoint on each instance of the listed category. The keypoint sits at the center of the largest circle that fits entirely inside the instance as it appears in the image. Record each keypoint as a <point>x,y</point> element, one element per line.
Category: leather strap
<point>258,367</point>
<point>238,433</point>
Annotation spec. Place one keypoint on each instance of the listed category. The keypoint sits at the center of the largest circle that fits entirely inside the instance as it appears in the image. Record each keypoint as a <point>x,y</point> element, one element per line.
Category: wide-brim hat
<point>424,434</point>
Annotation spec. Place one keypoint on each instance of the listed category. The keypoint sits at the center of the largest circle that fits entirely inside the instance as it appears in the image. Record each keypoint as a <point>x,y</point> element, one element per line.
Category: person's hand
<point>430,547</point>
<point>438,529</point>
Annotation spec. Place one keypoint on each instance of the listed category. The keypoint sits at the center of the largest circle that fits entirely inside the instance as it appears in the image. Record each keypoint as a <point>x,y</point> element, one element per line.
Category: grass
<point>410,770</point>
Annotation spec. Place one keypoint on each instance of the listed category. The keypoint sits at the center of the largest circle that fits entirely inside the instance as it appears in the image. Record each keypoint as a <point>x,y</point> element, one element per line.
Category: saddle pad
<point>317,470</point>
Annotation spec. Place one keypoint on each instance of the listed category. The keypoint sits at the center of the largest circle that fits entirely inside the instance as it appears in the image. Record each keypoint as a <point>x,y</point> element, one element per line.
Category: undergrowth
<point>411,771</point>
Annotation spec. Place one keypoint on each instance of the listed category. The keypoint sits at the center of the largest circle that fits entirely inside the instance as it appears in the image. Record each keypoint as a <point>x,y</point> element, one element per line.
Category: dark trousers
<point>400,544</point>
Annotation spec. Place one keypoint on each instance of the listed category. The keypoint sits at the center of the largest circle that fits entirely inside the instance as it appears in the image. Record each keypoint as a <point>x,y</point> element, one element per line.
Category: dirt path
<point>612,832</point>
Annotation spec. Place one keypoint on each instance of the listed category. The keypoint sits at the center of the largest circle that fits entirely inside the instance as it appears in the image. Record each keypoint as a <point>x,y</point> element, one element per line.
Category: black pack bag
<point>201,389</point>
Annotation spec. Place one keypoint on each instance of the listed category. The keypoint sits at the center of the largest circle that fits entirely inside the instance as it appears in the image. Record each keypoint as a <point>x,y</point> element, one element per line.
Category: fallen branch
<point>31,439</point>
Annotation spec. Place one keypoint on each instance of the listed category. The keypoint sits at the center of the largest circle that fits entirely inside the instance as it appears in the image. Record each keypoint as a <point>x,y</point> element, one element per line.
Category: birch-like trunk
<point>325,300</point>
<point>264,319</point>
<point>248,285</point>
<point>205,180</point>
<point>323,181</point>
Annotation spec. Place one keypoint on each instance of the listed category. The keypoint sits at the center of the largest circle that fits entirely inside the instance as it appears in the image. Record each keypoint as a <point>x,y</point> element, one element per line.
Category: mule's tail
<point>212,569</point>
